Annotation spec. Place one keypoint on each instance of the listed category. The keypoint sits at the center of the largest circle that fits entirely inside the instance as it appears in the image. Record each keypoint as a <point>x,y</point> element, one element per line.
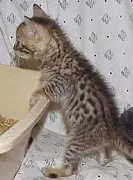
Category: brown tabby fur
<point>69,79</point>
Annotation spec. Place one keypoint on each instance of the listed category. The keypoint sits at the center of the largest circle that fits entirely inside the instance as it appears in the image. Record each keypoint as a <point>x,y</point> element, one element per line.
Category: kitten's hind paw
<point>56,172</point>
<point>51,172</point>
<point>103,162</point>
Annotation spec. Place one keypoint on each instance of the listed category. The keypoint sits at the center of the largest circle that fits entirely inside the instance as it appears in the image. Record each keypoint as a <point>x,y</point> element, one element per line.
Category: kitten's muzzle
<point>15,47</point>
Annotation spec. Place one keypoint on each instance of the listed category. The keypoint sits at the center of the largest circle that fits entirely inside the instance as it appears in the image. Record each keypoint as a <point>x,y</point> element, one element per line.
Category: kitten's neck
<point>56,54</point>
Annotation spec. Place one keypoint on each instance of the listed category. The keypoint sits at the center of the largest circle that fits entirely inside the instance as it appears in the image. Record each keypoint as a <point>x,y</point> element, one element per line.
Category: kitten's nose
<point>15,47</point>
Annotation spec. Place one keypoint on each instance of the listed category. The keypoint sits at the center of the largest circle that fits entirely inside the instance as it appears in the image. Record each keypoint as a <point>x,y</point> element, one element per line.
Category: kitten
<point>69,79</point>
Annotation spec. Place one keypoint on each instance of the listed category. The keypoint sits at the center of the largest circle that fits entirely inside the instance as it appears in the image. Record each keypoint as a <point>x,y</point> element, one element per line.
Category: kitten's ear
<point>30,26</point>
<point>38,12</point>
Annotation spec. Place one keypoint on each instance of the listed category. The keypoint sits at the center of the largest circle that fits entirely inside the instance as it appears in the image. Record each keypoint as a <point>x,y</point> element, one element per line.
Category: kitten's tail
<point>124,145</point>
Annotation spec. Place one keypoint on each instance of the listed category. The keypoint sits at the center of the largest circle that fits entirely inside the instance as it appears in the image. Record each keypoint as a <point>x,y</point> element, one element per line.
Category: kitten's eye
<point>25,49</point>
<point>23,46</point>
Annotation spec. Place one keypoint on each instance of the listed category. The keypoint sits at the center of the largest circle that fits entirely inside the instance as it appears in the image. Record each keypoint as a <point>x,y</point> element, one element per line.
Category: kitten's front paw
<point>35,97</point>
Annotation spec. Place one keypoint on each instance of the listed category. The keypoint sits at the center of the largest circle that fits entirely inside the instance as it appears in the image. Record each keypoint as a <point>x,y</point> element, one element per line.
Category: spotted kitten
<point>69,79</point>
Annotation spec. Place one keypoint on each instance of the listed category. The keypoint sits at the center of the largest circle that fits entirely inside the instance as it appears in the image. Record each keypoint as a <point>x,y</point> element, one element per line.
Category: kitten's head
<point>34,39</point>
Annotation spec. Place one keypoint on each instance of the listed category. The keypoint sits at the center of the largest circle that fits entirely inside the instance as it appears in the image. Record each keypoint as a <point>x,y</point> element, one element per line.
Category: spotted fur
<point>68,78</point>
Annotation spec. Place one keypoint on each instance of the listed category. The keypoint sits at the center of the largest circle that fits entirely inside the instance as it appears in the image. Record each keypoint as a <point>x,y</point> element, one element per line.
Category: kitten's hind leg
<point>104,156</point>
<point>69,168</point>
<point>70,165</point>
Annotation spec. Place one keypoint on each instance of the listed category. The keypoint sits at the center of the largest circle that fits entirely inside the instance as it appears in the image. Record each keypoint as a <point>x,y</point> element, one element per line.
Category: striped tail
<point>124,145</point>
